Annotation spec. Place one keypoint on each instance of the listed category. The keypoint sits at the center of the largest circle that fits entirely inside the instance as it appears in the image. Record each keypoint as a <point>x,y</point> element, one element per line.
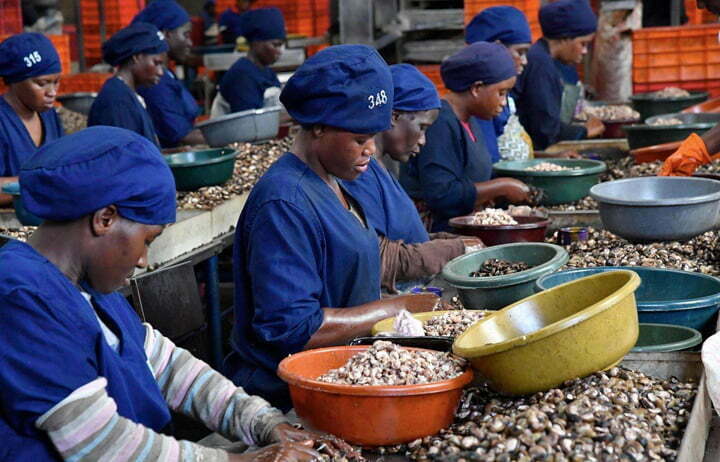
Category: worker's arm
<point>193,138</point>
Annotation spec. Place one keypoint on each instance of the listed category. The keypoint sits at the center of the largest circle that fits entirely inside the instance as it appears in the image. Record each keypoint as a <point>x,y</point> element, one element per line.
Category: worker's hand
<point>595,127</point>
<point>691,154</point>
<point>570,154</point>
<point>329,444</point>
<point>418,303</point>
<point>280,452</point>
<point>512,190</point>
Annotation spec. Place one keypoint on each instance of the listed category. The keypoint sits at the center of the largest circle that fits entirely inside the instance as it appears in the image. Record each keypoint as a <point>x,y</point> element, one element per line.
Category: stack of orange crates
<point>684,56</point>
<point>306,17</point>
<point>432,71</point>
<point>10,17</point>
<point>118,14</point>
<point>529,7</point>
<point>82,82</point>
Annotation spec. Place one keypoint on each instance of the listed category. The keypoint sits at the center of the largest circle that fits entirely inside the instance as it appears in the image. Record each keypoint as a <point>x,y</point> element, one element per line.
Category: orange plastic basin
<point>367,415</point>
<point>711,105</point>
<point>656,152</point>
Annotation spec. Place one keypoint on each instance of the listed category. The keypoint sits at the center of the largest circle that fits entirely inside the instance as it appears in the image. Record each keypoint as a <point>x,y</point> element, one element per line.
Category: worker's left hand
<point>571,154</point>
<point>328,444</point>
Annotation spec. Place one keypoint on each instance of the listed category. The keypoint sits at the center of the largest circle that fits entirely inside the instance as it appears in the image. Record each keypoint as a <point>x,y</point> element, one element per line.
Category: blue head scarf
<point>23,56</point>
<point>506,24</point>
<point>486,62</point>
<point>263,24</point>
<point>137,38</point>
<point>81,173</point>
<point>163,14</point>
<point>343,86</point>
<point>567,19</point>
<point>413,91</point>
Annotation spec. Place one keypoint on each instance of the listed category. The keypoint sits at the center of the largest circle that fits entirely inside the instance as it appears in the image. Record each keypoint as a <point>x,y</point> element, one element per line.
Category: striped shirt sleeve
<point>85,426</point>
<point>192,388</point>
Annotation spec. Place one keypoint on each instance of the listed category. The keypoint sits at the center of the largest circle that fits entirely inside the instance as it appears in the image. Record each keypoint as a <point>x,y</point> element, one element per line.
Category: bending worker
<point>450,177</point>
<point>171,106</point>
<point>138,52</point>
<point>250,83</point>
<point>30,67</point>
<point>568,27</point>
<point>407,252</point>
<point>306,258</point>
<point>81,378</point>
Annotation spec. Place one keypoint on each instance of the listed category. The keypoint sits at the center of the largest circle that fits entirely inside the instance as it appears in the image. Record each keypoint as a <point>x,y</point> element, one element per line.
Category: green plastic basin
<point>195,169</point>
<point>648,106</point>
<point>491,293</point>
<point>662,338</point>
<point>559,187</point>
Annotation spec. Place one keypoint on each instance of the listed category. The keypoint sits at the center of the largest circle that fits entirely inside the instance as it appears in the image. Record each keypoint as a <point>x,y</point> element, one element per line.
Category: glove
<point>691,154</point>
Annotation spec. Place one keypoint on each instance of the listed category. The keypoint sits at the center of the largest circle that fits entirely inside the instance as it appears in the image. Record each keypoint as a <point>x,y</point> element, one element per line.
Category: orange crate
<point>531,8</point>
<point>306,17</point>
<point>697,16</point>
<point>676,54</point>
<point>11,17</point>
<point>83,82</point>
<point>432,71</point>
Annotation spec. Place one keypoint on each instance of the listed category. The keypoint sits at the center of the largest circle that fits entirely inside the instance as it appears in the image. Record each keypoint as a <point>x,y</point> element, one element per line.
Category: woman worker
<point>30,67</point>
<point>81,378</point>
<point>407,252</point>
<point>250,83</point>
<point>306,259</point>
<point>230,21</point>
<point>568,27</point>
<point>138,52</point>
<point>451,174</point>
<point>171,106</point>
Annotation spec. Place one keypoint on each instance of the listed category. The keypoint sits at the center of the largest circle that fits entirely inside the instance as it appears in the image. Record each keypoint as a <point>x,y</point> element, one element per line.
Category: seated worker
<point>407,252</point>
<point>138,52</point>
<point>306,259</point>
<point>450,177</point>
<point>230,21</point>
<point>250,83</point>
<point>171,106</point>
<point>209,23</point>
<point>568,27</point>
<point>30,67</point>
<point>81,378</point>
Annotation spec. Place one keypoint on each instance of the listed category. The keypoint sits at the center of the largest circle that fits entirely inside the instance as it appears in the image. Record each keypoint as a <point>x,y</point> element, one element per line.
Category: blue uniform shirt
<point>297,250</point>
<point>51,344</point>
<point>172,109</point>
<point>445,171</point>
<point>387,206</point>
<point>538,94</point>
<point>16,145</point>
<point>118,106</point>
<point>243,85</point>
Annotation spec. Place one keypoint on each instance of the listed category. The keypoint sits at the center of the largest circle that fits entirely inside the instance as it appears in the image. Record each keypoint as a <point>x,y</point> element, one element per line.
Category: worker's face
<point>147,69</point>
<point>407,135</point>
<point>519,53</point>
<point>268,51</point>
<point>343,154</point>
<point>179,42</point>
<point>120,246</point>
<point>488,101</point>
<point>37,93</point>
<point>572,51</point>
<point>712,6</point>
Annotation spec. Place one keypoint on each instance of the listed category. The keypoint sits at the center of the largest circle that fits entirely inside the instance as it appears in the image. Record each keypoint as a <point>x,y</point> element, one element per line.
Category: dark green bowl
<point>648,106</point>
<point>194,169</point>
<point>559,187</point>
<point>663,338</point>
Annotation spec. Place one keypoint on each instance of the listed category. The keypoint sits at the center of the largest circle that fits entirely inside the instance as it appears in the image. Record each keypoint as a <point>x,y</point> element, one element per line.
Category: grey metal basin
<point>658,208</point>
<point>78,102</point>
<point>701,118</point>
<point>246,126</point>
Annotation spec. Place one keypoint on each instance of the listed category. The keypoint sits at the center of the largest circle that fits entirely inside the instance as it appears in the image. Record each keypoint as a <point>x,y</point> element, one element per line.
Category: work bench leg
<point>213,312</point>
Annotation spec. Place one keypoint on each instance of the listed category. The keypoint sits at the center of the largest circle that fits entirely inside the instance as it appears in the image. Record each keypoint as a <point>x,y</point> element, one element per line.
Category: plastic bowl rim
<point>695,338</point>
<point>595,167</point>
<point>79,94</point>
<point>628,288</point>
<point>231,154</point>
<point>374,331</point>
<point>645,96</point>
<point>377,391</point>
<point>542,222</point>
<point>12,188</point>
<point>648,307</point>
<point>692,126</point>
<point>605,199</point>
<point>237,115</point>
<point>466,282</point>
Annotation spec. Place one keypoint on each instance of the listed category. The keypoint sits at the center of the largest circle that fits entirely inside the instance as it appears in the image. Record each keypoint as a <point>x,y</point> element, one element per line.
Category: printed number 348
<point>378,100</point>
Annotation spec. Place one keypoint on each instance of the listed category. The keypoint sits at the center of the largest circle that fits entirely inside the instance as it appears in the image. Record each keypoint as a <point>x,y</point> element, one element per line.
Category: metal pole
<point>80,34</point>
<point>675,12</point>
<point>101,9</point>
<point>212,281</point>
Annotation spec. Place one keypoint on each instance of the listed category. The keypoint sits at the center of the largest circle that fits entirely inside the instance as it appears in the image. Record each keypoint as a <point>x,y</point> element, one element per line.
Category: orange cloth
<point>691,154</point>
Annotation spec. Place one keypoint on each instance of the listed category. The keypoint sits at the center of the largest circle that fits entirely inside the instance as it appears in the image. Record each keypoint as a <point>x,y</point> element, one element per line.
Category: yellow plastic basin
<point>386,325</point>
<point>569,331</point>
